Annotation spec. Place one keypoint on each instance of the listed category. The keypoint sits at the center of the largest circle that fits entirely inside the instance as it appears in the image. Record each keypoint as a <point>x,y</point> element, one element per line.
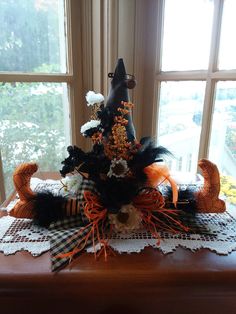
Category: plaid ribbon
<point>65,234</point>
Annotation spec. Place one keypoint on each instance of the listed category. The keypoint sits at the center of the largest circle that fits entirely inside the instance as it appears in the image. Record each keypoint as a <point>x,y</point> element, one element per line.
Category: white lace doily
<point>21,234</point>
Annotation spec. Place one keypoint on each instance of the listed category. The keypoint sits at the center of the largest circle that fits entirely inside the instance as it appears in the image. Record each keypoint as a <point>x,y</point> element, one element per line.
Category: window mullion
<point>224,75</point>
<point>210,83</point>
<point>33,77</point>
<point>2,187</point>
<point>182,75</point>
<point>68,27</point>
<point>215,43</point>
<point>207,119</point>
<point>160,28</point>
<point>78,38</point>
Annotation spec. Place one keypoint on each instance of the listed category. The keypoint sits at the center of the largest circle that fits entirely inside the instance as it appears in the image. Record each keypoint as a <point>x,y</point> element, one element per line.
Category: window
<point>196,83</point>
<point>36,83</point>
<point>187,100</point>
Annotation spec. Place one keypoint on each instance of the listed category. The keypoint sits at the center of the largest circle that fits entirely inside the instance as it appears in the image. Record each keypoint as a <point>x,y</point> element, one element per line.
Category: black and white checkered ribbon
<point>65,234</point>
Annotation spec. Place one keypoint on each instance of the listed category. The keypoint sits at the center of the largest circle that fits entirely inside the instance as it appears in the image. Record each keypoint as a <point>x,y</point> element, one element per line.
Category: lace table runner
<point>21,234</point>
<point>220,235</point>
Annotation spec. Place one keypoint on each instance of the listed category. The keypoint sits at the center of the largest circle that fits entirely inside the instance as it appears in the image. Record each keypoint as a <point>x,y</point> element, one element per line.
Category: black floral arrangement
<point>119,178</point>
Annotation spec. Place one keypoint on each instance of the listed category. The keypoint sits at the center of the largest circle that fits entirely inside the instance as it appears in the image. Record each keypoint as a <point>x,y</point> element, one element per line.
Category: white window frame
<point>211,76</point>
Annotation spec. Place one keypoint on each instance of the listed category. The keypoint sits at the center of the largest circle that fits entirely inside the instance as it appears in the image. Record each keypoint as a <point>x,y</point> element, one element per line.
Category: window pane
<point>227,52</point>
<point>32,125</point>
<point>32,37</point>
<point>187,34</point>
<point>223,136</point>
<point>180,117</point>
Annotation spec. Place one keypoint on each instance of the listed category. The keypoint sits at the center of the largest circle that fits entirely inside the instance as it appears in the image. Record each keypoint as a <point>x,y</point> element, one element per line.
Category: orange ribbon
<point>151,204</point>
<point>158,174</point>
<point>96,214</point>
<point>93,209</point>
<point>149,201</point>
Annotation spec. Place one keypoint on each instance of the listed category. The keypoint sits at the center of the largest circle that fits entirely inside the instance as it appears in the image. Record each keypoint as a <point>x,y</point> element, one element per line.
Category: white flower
<point>71,185</point>
<point>118,168</point>
<point>93,98</point>
<point>128,219</point>
<point>89,125</point>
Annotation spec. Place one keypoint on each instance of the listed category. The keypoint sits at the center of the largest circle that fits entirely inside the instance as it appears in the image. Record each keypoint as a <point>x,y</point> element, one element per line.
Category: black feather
<point>48,208</point>
<point>186,209</point>
<point>186,199</point>
<point>93,163</point>
<point>76,157</point>
<point>147,154</point>
<point>115,192</point>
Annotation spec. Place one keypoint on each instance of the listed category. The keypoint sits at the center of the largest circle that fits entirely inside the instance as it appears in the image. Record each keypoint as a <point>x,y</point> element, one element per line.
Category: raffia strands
<point>96,214</point>
<point>154,216</point>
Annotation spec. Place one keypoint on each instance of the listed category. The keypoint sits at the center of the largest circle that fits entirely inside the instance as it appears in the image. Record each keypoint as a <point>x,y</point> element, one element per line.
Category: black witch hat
<point>116,165</point>
<point>118,94</point>
<point>98,161</point>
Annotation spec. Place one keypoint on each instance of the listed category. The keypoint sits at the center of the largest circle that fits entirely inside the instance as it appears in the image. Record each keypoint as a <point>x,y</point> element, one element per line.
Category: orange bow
<point>154,216</point>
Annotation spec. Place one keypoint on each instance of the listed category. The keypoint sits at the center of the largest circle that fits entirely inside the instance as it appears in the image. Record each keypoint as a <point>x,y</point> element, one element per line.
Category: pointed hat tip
<point>120,72</point>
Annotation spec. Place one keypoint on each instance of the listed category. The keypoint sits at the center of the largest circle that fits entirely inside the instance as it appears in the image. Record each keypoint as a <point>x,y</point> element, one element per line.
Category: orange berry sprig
<point>117,145</point>
<point>97,138</point>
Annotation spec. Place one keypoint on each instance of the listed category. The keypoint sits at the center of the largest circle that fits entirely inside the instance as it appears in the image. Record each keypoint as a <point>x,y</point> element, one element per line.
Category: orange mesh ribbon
<point>158,174</point>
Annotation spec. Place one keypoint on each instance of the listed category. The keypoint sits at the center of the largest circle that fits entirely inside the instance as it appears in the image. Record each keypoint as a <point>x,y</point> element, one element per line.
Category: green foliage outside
<point>31,126</point>
<point>228,188</point>
<point>29,35</point>
<point>231,132</point>
<point>31,115</point>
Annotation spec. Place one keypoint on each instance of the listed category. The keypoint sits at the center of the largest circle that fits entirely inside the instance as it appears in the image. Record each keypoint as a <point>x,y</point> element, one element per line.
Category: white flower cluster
<point>71,185</point>
<point>93,98</point>
<point>89,125</point>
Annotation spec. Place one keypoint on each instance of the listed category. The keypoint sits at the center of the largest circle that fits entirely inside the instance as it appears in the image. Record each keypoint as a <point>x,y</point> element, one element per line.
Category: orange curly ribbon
<point>151,204</point>
<point>158,174</point>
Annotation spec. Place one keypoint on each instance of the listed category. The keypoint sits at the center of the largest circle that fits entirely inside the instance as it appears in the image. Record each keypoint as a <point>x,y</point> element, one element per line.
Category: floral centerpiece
<point>116,183</point>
